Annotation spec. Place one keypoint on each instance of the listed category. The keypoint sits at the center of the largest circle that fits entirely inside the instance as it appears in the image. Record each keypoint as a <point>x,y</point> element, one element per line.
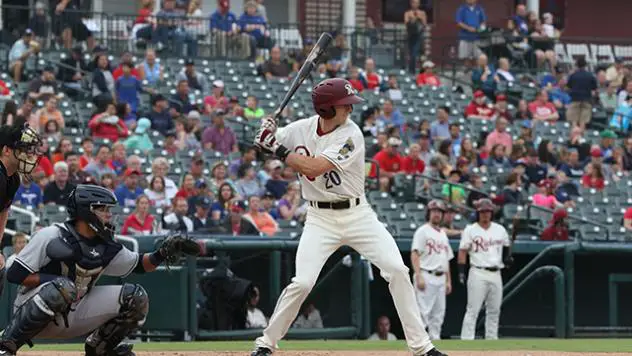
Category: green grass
<point>569,345</point>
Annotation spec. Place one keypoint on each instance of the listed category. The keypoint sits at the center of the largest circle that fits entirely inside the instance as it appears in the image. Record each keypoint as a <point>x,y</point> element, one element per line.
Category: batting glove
<point>268,122</point>
<point>265,140</point>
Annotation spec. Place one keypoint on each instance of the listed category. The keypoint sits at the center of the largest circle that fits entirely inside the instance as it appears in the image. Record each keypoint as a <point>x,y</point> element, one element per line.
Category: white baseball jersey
<point>485,246</point>
<point>434,248</point>
<point>344,147</point>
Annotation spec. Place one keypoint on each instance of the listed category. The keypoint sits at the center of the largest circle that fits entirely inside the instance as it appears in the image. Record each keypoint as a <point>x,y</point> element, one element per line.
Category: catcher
<point>57,272</point>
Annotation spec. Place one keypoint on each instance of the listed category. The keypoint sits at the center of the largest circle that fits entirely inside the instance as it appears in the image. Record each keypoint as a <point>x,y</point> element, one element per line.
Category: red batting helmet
<point>332,92</point>
<point>485,205</point>
<point>436,204</point>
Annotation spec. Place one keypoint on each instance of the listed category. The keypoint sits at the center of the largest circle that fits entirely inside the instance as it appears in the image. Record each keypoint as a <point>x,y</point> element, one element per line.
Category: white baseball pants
<point>358,227</point>
<point>431,302</point>
<point>482,287</point>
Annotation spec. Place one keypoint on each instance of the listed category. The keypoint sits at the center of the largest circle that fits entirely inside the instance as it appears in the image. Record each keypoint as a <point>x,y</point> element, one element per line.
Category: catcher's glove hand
<point>174,246</point>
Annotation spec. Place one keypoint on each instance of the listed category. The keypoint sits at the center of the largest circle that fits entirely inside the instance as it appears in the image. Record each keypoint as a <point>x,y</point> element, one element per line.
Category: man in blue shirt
<point>582,86</point>
<point>128,87</point>
<point>440,129</point>
<point>470,18</point>
<point>255,26</point>
<point>28,194</point>
<point>159,116</point>
<point>128,191</point>
<point>521,19</point>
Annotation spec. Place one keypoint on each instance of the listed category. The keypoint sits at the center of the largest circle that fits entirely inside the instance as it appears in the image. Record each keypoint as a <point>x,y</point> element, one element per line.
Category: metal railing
<point>33,217</point>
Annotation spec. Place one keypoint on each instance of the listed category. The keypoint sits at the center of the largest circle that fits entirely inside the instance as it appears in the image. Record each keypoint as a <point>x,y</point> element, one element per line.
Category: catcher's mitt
<point>174,246</point>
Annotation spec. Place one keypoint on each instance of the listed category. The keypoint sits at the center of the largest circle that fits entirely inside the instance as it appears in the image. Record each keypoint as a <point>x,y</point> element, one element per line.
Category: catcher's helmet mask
<point>333,92</point>
<point>92,204</point>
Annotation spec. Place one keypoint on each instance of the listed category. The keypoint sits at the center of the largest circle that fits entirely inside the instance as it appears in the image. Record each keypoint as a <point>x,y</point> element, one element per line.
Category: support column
<point>534,5</point>
<point>348,17</point>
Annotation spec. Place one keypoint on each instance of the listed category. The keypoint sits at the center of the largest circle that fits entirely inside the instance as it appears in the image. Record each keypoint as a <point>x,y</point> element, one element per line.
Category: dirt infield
<point>337,353</point>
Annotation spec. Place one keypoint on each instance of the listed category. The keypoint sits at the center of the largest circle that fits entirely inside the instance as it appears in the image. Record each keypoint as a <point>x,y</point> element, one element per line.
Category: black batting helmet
<point>83,204</point>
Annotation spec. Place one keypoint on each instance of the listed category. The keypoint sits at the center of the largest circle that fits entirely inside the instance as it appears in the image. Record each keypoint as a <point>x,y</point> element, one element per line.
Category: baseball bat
<point>306,69</point>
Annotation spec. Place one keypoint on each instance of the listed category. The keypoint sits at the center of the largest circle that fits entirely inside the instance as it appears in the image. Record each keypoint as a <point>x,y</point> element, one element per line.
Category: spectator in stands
<point>276,66</point>
<point>368,121</point>
<point>49,112</point>
<point>470,18</point>
<point>543,46</point>
<point>166,26</point>
<point>382,331</point>
<point>627,219</point>
<point>119,158</point>
<point>252,111</point>
<point>128,87</point>
<point>64,146</point>
<point>440,129</point>
<point>391,117</point>
<point>18,242</point>
<point>290,207</point>
<point>390,163</point>
<point>455,139</point>
<point>75,174</point>
<point>453,193</point>
<point>446,152</point>
<point>276,184</point>
<point>68,18</point>
<point>608,98</point>
<point>557,230</point>
<point>498,158</point>
<point>578,142</point>
<point>107,125</point>
<point>475,195</point>
<point>354,79</point>
<point>427,75</point>
<point>150,69</point>
<point>87,145</point>
<point>412,162</point>
<point>44,86</point>
<point>627,154</point>
<point>219,137</point>
<point>566,190</point>
<point>535,171</point>
<point>51,130</point>
<point>369,77</point>
<point>594,177</point>
<point>161,167</point>
<point>224,28</point>
<point>626,90</point>
<point>416,21</point>
<point>622,116</point>
<point>501,109</point>
<point>248,157</point>
<point>225,196</point>
<point>478,108</point>
<point>20,52</point>
<point>159,116</point>
<point>520,19</point>
<point>499,136</point>
<point>545,196</point>
<point>256,27</point>
<point>57,191</point>
<point>219,176</point>
<point>180,102</point>
<point>103,84</point>
<point>608,138</point>
<point>9,113</point>
<point>542,109</point>
<point>391,88</point>
<point>29,195</point>
<point>236,224</point>
<point>380,144</point>
<point>574,168</point>
<point>547,154</point>
<point>192,29</point>
<point>156,193</point>
<point>194,78</point>
<point>582,85</point>
<point>467,150</point>
<point>234,109</point>
<point>511,193</point>
<point>247,184</point>
<point>217,99</point>
<point>201,217</point>
<point>128,191</point>
<point>255,319</point>
<point>523,112</point>
<point>177,220</point>
<point>39,23</point>
<point>140,140</point>
<point>308,317</point>
<point>616,72</point>
<point>140,222</point>
<point>483,77</point>
<point>126,59</point>
<point>337,55</point>
<point>261,219</point>
<point>503,73</point>
<point>99,165</point>
<point>72,70</point>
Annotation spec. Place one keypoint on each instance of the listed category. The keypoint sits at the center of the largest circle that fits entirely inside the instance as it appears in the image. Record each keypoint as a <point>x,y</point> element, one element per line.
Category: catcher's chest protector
<point>80,260</point>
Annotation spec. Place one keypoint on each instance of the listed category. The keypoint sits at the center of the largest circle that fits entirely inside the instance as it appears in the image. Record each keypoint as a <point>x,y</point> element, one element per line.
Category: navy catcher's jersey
<point>8,187</point>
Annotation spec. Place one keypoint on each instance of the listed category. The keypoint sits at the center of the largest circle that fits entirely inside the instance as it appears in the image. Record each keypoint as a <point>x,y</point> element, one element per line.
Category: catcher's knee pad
<point>134,307</point>
<point>53,299</point>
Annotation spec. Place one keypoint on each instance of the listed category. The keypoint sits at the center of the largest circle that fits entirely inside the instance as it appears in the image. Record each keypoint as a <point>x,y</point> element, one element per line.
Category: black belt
<point>334,205</point>
<point>436,273</point>
<point>491,269</point>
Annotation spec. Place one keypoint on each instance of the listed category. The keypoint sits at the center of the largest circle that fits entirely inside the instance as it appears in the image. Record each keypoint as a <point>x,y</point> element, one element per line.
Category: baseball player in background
<point>487,245</point>
<point>19,155</point>
<point>327,150</point>
<point>57,271</point>
<point>430,257</point>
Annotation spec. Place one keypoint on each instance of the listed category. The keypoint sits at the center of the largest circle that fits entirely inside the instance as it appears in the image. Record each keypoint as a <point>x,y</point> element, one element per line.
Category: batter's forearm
<point>308,166</point>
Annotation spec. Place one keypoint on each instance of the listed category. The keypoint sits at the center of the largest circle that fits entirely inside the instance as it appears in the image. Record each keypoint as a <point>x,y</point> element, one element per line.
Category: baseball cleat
<point>434,352</point>
<point>262,351</point>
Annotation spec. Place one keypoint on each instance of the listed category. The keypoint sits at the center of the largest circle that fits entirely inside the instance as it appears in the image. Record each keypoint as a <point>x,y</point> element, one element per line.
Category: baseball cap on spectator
<point>233,99</point>
<point>478,94</point>
<point>194,115</point>
<point>545,183</point>
<point>276,164</point>
<point>203,202</point>
<point>129,171</point>
<point>142,125</point>
<point>218,83</point>
<point>189,62</point>
<point>595,152</point>
<point>501,97</point>
<point>428,64</point>
<point>526,124</point>
<point>201,183</point>
<point>394,141</point>
<point>608,134</point>
<point>28,32</point>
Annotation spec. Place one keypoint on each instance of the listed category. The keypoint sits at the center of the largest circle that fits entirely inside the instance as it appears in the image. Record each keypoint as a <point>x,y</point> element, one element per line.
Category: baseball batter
<point>430,257</point>
<point>19,154</point>
<point>328,151</point>
<point>487,244</point>
<point>57,272</point>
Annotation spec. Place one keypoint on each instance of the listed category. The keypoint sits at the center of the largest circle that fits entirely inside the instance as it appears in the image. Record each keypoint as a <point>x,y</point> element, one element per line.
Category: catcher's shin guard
<point>54,298</point>
<point>105,340</point>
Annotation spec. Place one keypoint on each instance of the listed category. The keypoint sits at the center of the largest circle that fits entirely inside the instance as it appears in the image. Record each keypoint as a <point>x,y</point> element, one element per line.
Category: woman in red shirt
<point>427,77</point>
<point>354,79</point>
<point>187,188</point>
<point>412,163</point>
<point>139,222</point>
<point>108,125</point>
<point>593,178</point>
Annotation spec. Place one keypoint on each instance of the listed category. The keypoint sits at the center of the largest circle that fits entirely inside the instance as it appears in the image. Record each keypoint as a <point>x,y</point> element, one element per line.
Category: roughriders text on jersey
<point>433,247</point>
<point>483,244</point>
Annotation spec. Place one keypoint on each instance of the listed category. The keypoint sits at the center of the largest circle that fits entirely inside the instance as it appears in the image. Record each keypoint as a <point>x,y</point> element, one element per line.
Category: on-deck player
<point>430,257</point>
<point>327,150</point>
<point>19,154</point>
<point>57,272</point>
<point>487,244</point>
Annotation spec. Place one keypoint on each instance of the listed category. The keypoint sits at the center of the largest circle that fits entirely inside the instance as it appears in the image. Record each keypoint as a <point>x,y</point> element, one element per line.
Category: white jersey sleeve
<point>419,240</point>
<point>466,238</point>
<point>33,256</point>
<point>122,264</point>
<point>346,151</point>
